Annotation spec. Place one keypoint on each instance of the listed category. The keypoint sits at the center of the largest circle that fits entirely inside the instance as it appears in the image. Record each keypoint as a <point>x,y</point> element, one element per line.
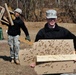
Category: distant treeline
<point>34,10</point>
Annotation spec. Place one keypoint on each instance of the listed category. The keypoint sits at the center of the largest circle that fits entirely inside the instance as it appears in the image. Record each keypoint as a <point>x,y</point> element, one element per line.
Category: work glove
<point>28,38</point>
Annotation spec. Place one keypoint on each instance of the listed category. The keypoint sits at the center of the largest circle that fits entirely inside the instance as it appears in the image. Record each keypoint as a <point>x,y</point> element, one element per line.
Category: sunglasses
<point>51,19</point>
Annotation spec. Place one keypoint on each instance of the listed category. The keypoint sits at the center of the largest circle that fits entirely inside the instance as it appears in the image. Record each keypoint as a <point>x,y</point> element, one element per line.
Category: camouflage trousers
<point>14,44</point>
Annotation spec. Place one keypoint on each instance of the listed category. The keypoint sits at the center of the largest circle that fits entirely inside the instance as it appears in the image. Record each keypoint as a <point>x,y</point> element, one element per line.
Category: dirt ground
<point>6,68</point>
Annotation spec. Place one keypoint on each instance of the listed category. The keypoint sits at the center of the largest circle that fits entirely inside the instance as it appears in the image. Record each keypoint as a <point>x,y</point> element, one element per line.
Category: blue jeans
<point>14,44</point>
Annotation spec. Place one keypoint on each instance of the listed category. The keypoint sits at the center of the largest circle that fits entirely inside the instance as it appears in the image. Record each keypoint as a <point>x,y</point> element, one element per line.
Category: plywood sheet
<point>54,47</point>
<point>55,67</point>
<point>46,47</point>
<point>26,56</point>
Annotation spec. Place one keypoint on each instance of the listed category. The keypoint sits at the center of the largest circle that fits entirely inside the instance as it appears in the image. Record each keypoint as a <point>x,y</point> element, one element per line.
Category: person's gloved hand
<point>28,38</point>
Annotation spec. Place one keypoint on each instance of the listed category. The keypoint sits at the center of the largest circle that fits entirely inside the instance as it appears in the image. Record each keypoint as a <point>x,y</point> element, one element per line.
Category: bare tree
<point>33,10</point>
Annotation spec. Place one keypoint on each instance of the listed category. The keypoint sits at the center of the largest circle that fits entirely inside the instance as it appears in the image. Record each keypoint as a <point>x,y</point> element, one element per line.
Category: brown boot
<point>12,61</point>
<point>17,61</point>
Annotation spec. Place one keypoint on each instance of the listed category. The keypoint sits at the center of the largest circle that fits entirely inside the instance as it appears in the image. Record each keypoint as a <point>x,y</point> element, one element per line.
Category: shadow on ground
<point>6,58</point>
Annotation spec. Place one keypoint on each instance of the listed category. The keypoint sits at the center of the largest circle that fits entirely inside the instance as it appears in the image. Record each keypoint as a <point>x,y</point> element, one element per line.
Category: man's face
<point>16,14</point>
<point>51,21</point>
